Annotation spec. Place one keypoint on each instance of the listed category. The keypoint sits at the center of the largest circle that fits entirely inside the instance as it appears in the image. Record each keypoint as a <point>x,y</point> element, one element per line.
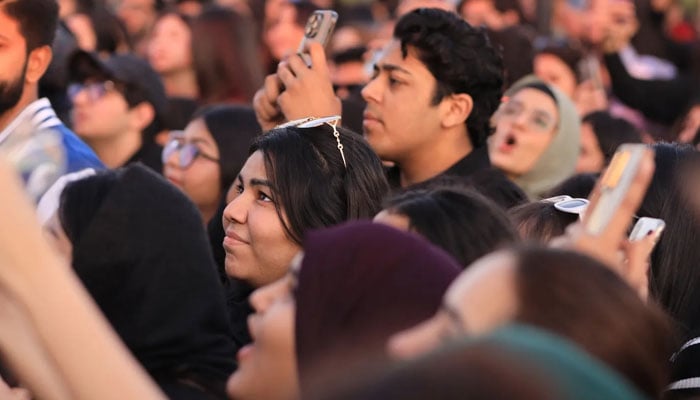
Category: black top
<point>662,101</point>
<point>149,154</point>
<point>145,260</point>
<point>474,171</point>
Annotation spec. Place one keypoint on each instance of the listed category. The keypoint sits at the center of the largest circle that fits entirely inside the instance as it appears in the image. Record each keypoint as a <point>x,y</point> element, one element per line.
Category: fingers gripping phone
<point>614,186</point>
<point>319,28</point>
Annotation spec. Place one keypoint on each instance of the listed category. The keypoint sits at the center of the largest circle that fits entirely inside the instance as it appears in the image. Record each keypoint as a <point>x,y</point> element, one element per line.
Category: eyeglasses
<point>94,91</point>
<point>568,204</point>
<point>312,122</point>
<point>537,120</point>
<point>187,152</point>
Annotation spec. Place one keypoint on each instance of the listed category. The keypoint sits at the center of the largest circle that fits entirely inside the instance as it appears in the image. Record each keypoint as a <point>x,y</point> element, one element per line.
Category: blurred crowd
<point>483,199</point>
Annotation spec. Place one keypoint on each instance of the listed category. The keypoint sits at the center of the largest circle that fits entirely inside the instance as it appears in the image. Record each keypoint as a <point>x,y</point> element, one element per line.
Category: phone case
<point>645,225</point>
<point>319,28</point>
<point>614,185</point>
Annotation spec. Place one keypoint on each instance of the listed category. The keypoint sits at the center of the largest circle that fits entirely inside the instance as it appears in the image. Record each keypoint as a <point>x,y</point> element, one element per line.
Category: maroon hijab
<point>359,284</point>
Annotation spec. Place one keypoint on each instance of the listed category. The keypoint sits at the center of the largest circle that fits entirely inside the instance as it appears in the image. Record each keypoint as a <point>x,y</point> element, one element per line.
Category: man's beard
<point>11,92</point>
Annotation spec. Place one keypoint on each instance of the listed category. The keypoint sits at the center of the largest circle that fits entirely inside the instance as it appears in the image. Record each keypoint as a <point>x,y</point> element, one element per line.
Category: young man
<point>429,103</point>
<point>27,28</point>
<point>434,90</point>
<point>118,107</point>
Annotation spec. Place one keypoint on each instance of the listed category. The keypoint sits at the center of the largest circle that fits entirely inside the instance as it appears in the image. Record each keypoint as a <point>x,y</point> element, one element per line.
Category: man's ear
<point>37,63</point>
<point>142,115</point>
<point>457,108</point>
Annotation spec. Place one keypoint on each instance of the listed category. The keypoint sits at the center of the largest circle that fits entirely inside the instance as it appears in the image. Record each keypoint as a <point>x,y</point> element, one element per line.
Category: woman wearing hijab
<point>536,142</point>
<point>139,248</point>
<point>206,157</point>
<point>351,288</point>
<point>517,361</point>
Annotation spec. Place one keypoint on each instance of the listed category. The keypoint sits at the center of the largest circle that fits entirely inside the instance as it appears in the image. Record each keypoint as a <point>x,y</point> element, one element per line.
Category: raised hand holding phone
<point>318,29</point>
<point>302,85</point>
<point>604,235</point>
<point>308,90</point>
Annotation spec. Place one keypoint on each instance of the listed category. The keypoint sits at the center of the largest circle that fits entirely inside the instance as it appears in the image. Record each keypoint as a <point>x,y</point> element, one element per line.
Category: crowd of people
<point>192,209</point>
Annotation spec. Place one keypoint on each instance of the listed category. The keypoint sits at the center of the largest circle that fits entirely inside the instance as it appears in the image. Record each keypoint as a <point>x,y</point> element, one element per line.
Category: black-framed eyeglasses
<point>187,152</point>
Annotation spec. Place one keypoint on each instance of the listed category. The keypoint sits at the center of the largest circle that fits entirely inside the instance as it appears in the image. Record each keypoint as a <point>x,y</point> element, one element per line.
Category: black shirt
<point>473,171</point>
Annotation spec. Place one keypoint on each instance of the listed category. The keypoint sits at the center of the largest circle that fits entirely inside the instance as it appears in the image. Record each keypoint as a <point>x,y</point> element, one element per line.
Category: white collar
<point>40,113</point>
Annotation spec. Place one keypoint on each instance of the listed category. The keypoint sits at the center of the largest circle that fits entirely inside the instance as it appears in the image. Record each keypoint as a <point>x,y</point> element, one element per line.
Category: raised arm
<point>91,359</point>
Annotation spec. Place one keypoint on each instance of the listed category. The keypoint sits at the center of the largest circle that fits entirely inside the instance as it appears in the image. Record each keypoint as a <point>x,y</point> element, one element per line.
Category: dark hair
<point>226,56</point>
<point>540,221</point>
<point>110,31</point>
<point>579,185</point>
<point>37,20</point>
<point>581,299</point>
<point>611,132</point>
<point>310,182</point>
<point>304,9</point>
<point>673,279</point>
<point>460,58</point>
<point>515,46</point>
<point>567,52</point>
<point>462,222</point>
<point>233,128</point>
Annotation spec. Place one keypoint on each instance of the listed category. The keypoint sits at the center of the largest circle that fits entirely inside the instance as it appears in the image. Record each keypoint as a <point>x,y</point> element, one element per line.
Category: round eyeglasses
<point>187,152</point>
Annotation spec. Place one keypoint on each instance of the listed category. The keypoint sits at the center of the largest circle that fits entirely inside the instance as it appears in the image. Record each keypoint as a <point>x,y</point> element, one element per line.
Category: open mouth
<point>508,144</point>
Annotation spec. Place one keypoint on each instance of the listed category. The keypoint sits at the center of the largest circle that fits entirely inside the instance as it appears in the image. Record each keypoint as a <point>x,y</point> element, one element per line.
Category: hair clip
<point>312,122</point>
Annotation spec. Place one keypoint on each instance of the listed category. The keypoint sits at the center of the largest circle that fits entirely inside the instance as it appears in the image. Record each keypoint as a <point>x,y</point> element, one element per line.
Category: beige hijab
<point>559,159</point>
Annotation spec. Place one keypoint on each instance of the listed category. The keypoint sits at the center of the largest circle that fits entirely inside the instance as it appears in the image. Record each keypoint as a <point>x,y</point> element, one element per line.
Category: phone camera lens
<point>312,26</point>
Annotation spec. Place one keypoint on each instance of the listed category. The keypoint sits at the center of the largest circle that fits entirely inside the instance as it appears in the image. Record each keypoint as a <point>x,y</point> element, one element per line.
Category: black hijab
<point>140,250</point>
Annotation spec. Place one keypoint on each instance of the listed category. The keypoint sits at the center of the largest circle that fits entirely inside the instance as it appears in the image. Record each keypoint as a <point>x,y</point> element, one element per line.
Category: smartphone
<point>645,225</point>
<point>589,69</point>
<point>319,28</point>
<point>614,185</point>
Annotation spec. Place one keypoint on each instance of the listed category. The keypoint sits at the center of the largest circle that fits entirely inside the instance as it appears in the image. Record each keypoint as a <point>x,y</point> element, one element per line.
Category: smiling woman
<point>354,286</point>
<point>296,179</point>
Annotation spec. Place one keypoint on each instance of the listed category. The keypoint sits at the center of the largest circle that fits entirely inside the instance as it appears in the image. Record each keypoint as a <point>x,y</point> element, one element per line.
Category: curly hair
<point>462,60</point>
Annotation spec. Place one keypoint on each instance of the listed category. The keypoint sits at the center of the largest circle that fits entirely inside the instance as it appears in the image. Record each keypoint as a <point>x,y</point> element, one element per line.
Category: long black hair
<point>311,182</point>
